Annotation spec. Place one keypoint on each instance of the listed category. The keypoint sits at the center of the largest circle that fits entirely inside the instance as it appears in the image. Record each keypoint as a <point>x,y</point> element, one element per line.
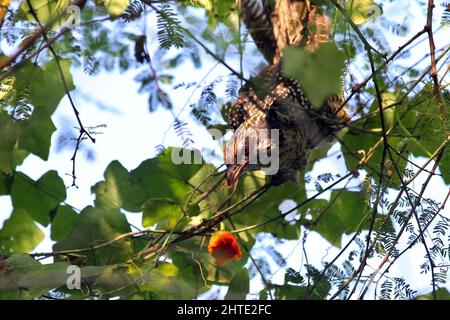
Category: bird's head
<point>242,153</point>
<point>234,171</point>
<point>236,159</point>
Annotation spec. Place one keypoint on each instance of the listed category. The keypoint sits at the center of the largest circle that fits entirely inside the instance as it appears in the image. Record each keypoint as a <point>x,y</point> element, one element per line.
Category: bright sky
<point>132,133</point>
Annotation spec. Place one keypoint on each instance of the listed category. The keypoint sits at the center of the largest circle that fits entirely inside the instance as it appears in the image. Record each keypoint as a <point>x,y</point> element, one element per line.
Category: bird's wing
<point>249,104</point>
<point>253,96</point>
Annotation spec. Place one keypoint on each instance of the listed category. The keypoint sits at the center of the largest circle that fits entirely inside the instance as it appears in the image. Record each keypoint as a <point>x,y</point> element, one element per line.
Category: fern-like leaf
<point>170,33</point>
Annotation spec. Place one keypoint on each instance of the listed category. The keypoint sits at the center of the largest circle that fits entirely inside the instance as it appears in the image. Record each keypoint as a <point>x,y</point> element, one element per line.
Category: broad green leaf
<point>39,198</point>
<point>17,266</point>
<point>63,222</point>
<point>37,133</point>
<point>5,183</point>
<point>444,166</point>
<point>116,279</point>
<point>45,90</point>
<point>9,132</point>
<point>267,207</point>
<point>25,278</point>
<point>104,279</point>
<point>7,84</point>
<point>19,233</point>
<point>205,177</point>
<point>361,10</point>
<point>197,266</point>
<point>165,213</point>
<point>162,177</point>
<point>163,282</point>
<point>389,98</point>
<point>42,278</point>
<point>191,265</point>
<point>219,11</point>
<point>95,227</point>
<point>428,137</point>
<point>119,190</point>
<point>239,286</point>
<point>345,215</point>
<point>45,278</point>
<point>116,7</point>
<point>359,144</point>
<point>319,72</point>
<point>47,11</point>
<point>46,86</point>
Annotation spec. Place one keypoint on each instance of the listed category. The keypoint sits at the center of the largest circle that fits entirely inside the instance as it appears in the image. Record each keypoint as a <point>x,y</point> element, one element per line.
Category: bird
<point>278,102</point>
<point>271,100</point>
<point>277,24</point>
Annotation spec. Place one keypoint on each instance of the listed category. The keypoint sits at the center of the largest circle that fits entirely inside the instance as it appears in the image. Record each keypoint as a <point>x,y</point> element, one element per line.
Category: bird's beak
<point>234,173</point>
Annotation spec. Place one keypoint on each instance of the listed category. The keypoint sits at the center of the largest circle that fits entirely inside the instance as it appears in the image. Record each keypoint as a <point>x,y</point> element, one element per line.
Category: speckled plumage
<point>277,24</point>
<point>279,103</point>
<point>272,101</point>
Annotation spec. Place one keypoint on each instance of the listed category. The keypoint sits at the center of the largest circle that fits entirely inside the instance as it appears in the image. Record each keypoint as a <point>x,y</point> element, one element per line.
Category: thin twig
<point>434,76</point>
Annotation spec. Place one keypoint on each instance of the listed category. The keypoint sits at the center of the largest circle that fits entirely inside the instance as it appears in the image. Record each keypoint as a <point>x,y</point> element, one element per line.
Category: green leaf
<point>267,207</point>
<point>162,177</point>
<point>5,183</point>
<point>45,84</point>
<point>165,213</point>
<point>345,214</point>
<point>207,176</point>
<point>9,131</point>
<point>239,286</point>
<point>358,144</point>
<point>115,278</point>
<point>319,72</point>
<point>444,166</point>
<point>45,90</point>
<point>47,11</point>
<point>163,282</point>
<point>360,10</point>
<point>191,266</point>
<point>17,266</point>
<point>38,198</point>
<point>119,190</point>
<point>116,7</point>
<point>429,137</point>
<point>45,278</point>
<point>388,98</point>
<point>26,278</point>
<point>95,227</point>
<point>19,233</point>
<point>63,222</point>
<point>37,133</point>
<point>197,266</point>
